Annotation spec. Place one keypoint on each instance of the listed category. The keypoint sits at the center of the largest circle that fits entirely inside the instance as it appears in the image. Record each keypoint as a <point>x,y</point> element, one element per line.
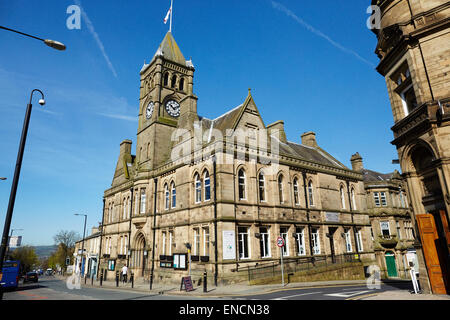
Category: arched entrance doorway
<point>139,255</point>
<point>431,215</point>
<point>391,266</point>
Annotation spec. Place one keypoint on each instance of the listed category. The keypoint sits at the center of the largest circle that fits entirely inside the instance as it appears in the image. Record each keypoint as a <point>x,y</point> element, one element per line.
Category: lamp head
<point>41,102</point>
<point>55,44</point>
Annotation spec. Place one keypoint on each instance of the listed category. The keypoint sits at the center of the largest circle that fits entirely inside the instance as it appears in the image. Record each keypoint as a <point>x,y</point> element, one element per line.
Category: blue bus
<point>10,274</point>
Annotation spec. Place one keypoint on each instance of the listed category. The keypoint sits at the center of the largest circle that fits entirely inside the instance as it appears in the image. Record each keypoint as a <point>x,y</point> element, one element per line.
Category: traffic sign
<point>280,242</point>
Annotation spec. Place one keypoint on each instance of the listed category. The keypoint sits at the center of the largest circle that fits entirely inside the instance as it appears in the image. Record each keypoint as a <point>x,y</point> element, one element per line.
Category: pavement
<point>236,290</point>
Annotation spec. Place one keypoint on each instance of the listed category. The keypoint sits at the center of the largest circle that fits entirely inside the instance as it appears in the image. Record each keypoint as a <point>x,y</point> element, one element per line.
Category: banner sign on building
<point>229,247</point>
<point>15,241</point>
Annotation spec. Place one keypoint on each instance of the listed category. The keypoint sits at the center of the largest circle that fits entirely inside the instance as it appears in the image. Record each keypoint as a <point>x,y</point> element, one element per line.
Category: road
<point>51,288</point>
<point>327,293</point>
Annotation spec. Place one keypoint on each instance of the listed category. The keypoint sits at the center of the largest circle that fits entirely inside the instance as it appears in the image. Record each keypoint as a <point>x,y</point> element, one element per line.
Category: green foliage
<point>66,246</point>
<point>27,257</point>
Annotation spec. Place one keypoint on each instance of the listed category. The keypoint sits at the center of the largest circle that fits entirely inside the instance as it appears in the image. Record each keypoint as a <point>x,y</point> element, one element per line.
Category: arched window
<point>173,190</point>
<point>124,214</point>
<point>129,208</point>
<point>280,188</point>
<point>181,86</point>
<point>112,213</point>
<point>352,193</point>
<point>174,81</point>
<point>262,187</point>
<point>198,188</point>
<point>296,194</point>
<point>166,79</point>
<point>166,196</point>
<point>311,194</point>
<point>241,183</point>
<point>207,183</point>
<point>341,191</point>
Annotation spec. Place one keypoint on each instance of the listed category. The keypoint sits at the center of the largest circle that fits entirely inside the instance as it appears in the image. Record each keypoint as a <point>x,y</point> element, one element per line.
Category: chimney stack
<point>309,139</point>
<point>125,147</point>
<point>277,129</point>
<point>357,163</point>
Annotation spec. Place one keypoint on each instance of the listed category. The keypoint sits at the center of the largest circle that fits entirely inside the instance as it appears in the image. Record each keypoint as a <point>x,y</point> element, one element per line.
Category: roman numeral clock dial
<point>149,110</point>
<point>173,108</point>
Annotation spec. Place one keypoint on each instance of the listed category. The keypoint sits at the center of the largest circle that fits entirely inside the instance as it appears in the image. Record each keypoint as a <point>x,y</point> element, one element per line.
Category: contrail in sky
<point>96,37</point>
<point>319,33</point>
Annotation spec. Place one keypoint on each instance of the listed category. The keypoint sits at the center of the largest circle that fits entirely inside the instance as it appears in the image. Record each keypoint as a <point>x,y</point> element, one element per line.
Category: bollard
<point>205,284</point>
<point>117,278</point>
<point>92,280</point>
<point>132,280</point>
<point>101,278</point>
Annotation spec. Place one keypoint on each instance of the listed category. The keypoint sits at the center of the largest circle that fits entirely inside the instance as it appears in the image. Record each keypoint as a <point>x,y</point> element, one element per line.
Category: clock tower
<point>166,102</point>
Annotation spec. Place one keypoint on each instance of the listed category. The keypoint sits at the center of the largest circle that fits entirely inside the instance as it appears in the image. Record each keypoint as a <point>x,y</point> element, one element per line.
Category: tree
<point>27,257</point>
<point>66,246</point>
<point>68,238</point>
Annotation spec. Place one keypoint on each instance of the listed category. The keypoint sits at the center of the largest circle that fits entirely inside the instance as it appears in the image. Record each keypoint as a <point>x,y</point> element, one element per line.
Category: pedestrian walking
<point>124,273</point>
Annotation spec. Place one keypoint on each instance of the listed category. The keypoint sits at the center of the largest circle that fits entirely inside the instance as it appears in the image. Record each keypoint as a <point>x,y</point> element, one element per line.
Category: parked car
<point>31,277</point>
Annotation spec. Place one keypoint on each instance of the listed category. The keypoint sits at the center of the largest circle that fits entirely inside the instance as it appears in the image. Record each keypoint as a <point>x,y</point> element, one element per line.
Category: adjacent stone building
<point>390,216</point>
<point>414,51</point>
<point>213,195</point>
<point>87,254</point>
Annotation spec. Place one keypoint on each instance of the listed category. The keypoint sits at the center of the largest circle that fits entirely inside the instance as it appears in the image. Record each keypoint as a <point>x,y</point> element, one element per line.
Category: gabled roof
<point>170,51</point>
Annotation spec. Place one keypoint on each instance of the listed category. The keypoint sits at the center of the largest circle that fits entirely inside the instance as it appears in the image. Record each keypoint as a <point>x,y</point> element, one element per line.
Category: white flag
<point>167,15</point>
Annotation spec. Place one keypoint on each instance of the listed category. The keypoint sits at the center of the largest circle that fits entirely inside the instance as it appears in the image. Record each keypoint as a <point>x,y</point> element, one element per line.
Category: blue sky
<point>309,64</point>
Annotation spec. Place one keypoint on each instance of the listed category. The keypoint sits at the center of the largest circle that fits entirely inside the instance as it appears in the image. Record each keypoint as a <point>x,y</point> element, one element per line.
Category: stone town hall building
<point>195,183</point>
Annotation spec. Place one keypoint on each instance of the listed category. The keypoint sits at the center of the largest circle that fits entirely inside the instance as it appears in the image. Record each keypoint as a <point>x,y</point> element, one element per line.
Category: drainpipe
<point>129,228</point>
<point>101,237</point>
<point>216,271</point>
<point>307,215</point>
<point>154,231</point>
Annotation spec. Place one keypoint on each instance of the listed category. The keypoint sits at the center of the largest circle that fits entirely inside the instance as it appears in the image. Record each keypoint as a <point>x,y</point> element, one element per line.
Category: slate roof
<point>372,176</point>
<point>169,50</point>
<point>228,120</point>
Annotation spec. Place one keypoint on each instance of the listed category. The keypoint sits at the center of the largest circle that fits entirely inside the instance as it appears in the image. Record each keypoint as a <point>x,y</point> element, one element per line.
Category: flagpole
<point>171,12</point>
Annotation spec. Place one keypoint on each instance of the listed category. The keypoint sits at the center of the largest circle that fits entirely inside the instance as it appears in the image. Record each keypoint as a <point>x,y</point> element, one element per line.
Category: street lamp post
<point>51,43</point>
<point>82,243</point>
<point>12,197</point>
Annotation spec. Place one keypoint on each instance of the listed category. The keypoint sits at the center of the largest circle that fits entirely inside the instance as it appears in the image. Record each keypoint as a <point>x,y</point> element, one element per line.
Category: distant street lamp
<point>2,178</point>
<point>12,196</point>
<point>82,244</point>
<point>51,43</point>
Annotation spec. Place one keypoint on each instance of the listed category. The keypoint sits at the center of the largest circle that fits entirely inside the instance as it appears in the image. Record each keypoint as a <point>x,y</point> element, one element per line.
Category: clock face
<point>149,110</point>
<point>173,108</point>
